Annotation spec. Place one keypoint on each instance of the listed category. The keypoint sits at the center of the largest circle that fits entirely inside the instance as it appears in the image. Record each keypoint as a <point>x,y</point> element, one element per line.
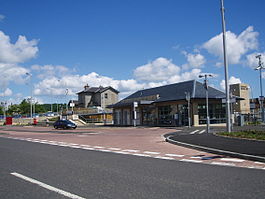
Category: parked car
<point>64,124</point>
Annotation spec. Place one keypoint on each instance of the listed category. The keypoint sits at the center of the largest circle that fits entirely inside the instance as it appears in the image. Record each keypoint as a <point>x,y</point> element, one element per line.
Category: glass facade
<point>164,115</point>
<point>217,113</point>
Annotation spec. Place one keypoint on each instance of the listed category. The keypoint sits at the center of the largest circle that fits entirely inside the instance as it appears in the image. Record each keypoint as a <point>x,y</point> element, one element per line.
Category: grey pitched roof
<point>97,89</point>
<point>173,92</point>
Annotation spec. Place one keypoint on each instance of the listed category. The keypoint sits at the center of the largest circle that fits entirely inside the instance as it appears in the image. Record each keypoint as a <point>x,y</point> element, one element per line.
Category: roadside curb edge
<point>215,151</point>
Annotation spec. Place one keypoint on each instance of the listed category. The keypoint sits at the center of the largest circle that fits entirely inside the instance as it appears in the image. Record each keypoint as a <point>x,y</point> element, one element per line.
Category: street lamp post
<point>31,108</point>
<point>188,100</point>
<point>205,76</point>
<point>228,116</point>
<point>261,98</point>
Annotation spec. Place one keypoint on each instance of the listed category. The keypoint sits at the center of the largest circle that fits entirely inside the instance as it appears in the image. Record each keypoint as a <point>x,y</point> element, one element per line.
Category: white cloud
<point>7,92</point>
<point>158,70</point>
<point>19,52</point>
<point>232,80</point>
<point>74,83</point>
<point>252,61</point>
<point>11,72</point>
<point>237,45</point>
<point>194,60</point>
<point>46,71</point>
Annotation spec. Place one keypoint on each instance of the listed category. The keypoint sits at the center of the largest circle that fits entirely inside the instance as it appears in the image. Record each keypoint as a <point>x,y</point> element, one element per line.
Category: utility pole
<point>205,76</point>
<point>261,98</point>
<point>228,115</point>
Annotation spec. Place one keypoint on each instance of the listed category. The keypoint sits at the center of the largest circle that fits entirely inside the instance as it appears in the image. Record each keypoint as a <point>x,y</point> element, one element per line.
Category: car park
<point>64,124</point>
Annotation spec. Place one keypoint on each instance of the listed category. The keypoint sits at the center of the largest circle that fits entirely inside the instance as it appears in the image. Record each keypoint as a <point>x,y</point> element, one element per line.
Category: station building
<point>171,105</point>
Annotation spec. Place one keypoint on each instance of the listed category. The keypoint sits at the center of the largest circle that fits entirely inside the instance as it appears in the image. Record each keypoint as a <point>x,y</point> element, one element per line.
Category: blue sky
<point>128,44</point>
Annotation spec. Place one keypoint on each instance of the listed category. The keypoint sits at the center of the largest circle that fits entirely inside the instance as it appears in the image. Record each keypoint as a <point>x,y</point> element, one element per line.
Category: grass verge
<point>250,134</point>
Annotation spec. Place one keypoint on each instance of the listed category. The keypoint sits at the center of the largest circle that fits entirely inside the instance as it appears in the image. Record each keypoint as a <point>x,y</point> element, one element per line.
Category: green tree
<point>24,107</point>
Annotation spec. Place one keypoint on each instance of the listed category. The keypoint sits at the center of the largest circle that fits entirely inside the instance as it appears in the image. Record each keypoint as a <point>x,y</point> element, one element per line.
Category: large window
<point>164,115</point>
<point>216,113</point>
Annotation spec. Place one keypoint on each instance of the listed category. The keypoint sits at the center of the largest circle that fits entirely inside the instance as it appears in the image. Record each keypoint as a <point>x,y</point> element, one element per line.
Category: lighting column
<point>205,76</point>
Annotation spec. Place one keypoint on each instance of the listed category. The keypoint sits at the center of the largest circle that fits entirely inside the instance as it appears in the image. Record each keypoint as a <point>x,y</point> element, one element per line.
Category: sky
<point>48,47</point>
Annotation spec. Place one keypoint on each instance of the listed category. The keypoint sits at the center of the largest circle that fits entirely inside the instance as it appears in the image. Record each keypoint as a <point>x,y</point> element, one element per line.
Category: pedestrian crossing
<point>197,131</point>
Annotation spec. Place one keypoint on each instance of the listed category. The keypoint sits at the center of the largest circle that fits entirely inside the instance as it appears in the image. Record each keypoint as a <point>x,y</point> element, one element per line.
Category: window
<point>164,116</point>
<point>106,95</point>
<point>216,113</point>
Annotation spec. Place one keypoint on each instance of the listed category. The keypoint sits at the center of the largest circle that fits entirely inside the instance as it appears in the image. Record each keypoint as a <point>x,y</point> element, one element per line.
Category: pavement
<point>197,138</point>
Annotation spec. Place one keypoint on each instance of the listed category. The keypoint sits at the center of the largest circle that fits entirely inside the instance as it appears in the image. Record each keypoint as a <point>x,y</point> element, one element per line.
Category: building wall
<point>108,97</point>
<point>241,90</point>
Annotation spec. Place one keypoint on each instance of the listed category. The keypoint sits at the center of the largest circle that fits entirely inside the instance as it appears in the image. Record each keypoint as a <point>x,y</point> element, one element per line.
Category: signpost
<point>135,105</point>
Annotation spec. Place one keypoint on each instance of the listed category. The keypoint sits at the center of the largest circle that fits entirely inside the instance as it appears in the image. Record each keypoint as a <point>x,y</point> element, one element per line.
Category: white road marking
<point>232,160</point>
<point>131,150</point>
<point>259,162</point>
<point>121,152</point>
<point>151,152</point>
<point>223,163</point>
<point>188,160</point>
<point>85,145</point>
<point>193,132</point>
<point>201,132</point>
<point>99,147</point>
<point>164,158</point>
<point>174,155</point>
<point>142,155</point>
<point>88,148</point>
<point>105,150</point>
<point>46,186</point>
<point>114,149</point>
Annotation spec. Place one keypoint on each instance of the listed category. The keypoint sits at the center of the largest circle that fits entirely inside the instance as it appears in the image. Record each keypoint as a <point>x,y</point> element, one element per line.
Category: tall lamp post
<point>261,98</point>
<point>205,76</point>
<point>228,115</point>
<point>31,109</point>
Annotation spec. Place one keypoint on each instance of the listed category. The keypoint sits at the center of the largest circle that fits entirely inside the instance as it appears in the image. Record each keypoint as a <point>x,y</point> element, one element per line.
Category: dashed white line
<point>232,160</point>
<point>131,150</point>
<point>151,152</point>
<point>114,149</point>
<point>188,160</point>
<point>140,154</point>
<point>164,158</point>
<point>46,186</point>
<point>99,147</point>
<point>193,132</point>
<point>223,163</point>
<point>174,155</point>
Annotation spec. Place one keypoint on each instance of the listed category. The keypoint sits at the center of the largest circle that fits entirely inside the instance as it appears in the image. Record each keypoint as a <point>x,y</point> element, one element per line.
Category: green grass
<point>249,134</point>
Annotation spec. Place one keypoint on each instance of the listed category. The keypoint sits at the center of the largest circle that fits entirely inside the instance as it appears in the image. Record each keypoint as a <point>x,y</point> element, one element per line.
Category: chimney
<point>86,87</point>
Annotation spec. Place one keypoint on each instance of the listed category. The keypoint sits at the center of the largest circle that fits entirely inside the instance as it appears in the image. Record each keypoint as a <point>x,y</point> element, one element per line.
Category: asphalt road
<point>93,174</point>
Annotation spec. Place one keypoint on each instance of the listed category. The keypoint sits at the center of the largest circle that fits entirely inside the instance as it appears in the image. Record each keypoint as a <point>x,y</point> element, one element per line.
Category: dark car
<point>64,124</point>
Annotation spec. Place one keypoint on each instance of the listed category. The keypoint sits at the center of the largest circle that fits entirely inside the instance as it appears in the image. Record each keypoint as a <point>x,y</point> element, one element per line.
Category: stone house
<point>97,97</point>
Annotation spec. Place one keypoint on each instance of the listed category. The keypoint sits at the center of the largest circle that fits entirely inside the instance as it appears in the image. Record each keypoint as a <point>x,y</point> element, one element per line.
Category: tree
<point>24,107</point>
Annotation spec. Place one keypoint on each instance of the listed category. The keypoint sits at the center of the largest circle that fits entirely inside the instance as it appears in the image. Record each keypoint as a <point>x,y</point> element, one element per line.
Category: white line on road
<point>99,147</point>
<point>232,160</point>
<point>114,149</point>
<point>46,186</point>
<point>164,158</point>
<point>201,132</point>
<point>223,163</point>
<point>174,155</point>
<point>131,150</point>
<point>194,161</point>
<point>151,152</point>
<point>193,132</point>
